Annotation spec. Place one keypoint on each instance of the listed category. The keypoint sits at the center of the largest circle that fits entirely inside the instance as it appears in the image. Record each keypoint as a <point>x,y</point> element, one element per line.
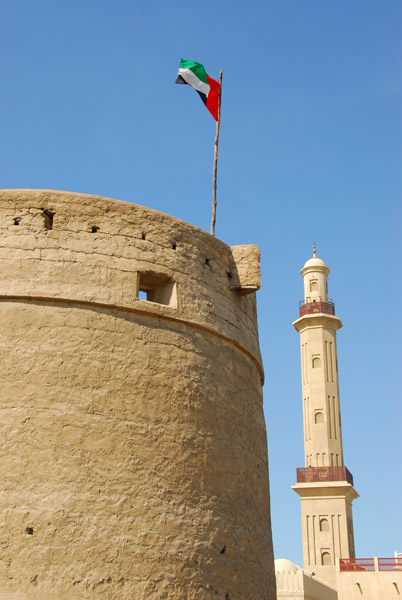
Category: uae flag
<point>194,74</point>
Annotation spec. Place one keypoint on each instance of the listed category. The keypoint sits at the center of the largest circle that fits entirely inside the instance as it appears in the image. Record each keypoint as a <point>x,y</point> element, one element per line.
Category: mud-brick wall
<point>133,454</point>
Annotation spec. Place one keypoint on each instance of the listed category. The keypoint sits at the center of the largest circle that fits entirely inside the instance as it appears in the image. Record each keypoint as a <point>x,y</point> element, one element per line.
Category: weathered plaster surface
<point>132,441</point>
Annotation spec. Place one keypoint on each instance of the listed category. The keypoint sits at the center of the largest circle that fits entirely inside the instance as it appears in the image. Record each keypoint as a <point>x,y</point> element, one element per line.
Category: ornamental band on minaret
<point>325,485</point>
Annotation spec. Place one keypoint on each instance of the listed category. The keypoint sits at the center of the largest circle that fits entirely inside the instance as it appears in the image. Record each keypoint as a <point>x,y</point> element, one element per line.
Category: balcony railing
<point>310,308</point>
<point>370,564</point>
<point>356,564</point>
<point>390,564</point>
<point>313,474</point>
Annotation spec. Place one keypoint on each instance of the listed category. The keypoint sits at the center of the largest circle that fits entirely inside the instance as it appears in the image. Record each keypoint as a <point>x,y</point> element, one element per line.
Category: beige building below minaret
<point>325,485</point>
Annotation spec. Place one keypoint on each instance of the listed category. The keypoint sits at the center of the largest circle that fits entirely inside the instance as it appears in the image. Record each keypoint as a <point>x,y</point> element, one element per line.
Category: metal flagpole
<point>218,122</point>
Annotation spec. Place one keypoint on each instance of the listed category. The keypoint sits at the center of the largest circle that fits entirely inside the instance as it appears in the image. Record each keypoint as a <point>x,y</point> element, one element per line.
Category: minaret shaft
<point>322,424</point>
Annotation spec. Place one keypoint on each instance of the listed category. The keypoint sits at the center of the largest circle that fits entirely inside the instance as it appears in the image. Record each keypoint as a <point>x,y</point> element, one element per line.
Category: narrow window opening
<point>48,216</point>
<point>324,525</point>
<point>207,261</point>
<point>313,285</point>
<point>143,236</point>
<point>325,558</point>
<point>316,362</point>
<point>159,288</point>
<point>94,229</point>
<point>17,220</point>
<point>319,417</point>
<point>174,245</point>
<point>229,274</point>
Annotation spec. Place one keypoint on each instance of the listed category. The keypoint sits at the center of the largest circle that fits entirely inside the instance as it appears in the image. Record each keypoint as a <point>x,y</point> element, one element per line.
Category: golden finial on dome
<point>314,255</point>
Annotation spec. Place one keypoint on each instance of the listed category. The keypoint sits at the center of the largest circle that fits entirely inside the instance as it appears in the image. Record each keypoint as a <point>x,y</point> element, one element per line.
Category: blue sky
<point>309,150</point>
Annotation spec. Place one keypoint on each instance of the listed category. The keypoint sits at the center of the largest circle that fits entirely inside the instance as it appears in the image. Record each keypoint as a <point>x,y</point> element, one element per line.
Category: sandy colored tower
<point>325,485</point>
<point>133,448</point>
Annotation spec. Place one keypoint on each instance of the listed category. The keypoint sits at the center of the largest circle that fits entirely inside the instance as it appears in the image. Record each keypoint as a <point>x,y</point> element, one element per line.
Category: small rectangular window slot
<point>48,218</point>
<point>156,287</point>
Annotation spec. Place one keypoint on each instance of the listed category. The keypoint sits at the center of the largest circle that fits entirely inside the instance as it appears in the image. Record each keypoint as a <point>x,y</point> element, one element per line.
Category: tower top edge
<point>99,203</point>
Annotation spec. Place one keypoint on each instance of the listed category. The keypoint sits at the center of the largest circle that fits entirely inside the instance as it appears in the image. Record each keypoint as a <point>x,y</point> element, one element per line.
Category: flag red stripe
<point>213,97</point>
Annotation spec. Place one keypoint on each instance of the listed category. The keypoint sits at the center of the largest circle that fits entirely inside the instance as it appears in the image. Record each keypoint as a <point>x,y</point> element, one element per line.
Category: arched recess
<point>324,525</point>
<point>316,362</point>
<point>319,417</point>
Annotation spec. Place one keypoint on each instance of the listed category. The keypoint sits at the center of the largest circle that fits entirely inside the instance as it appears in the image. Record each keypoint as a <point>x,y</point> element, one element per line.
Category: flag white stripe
<point>194,81</point>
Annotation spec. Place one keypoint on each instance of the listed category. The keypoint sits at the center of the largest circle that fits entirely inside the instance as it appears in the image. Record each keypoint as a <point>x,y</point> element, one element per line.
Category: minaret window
<point>316,362</point>
<point>325,558</point>
<point>313,285</point>
<point>324,525</point>
<point>319,417</point>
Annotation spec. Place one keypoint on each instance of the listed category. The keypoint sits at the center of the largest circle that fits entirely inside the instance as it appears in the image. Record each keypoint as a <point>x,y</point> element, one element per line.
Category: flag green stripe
<point>196,68</point>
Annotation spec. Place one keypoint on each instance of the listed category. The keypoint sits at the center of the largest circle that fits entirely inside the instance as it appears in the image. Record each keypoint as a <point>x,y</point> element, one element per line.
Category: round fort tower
<point>133,445</point>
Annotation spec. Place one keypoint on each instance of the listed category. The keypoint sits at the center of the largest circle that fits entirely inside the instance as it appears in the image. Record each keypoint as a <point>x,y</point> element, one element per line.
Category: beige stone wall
<point>374,585</point>
<point>133,447</point>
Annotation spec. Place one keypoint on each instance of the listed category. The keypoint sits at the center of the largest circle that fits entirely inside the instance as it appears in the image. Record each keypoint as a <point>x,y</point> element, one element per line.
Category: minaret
<point>325,485</point>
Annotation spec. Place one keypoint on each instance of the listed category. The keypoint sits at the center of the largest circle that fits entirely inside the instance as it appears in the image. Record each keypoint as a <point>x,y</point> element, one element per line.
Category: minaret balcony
<point>309,308</point>
<point>320,474</point>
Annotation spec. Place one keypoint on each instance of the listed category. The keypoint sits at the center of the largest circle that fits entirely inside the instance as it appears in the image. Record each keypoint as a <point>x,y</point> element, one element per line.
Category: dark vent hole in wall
<point>156,287</point>
<point>17,220</point>
<point>94,229</point>
<point>143,236</point>
<point>29,530</point>
<point>174,245</point>
<point>48,217</point>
